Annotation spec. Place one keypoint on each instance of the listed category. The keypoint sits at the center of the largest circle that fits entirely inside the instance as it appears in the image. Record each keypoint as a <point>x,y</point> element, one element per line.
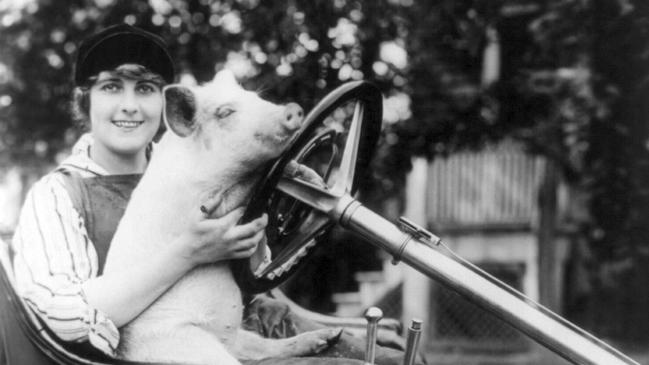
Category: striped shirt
<point>54,257</point>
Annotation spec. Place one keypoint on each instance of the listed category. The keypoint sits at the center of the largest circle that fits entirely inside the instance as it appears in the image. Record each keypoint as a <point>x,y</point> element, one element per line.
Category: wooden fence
<point>496,187</point>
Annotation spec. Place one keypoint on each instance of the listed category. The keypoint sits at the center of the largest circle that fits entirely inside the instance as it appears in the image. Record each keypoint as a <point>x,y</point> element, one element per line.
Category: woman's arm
<point>53,257</point>
<point>58,265</point>
<point>123,294</point>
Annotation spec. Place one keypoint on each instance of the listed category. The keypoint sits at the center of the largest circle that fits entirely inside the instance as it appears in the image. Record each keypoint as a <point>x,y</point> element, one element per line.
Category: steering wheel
<point>331,153</point>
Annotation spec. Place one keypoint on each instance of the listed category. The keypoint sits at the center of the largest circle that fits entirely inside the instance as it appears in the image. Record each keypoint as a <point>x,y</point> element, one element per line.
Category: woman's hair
<point>80,105</point>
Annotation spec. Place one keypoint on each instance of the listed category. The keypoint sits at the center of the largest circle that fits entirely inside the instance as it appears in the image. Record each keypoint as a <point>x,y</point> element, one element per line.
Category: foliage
<point>591,75</point>
<point>284,48</point>
<point>572,88</point>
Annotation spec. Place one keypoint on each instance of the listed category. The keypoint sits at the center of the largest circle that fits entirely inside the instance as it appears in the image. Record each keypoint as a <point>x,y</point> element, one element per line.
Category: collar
<point>80,161</point>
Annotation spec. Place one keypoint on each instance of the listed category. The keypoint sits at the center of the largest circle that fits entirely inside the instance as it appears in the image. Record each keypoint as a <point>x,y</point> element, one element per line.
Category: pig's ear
<point>225,76</point>
<point>180,109</point>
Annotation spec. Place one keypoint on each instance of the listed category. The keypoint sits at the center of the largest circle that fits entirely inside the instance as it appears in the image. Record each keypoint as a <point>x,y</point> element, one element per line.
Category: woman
<point>66,223</point>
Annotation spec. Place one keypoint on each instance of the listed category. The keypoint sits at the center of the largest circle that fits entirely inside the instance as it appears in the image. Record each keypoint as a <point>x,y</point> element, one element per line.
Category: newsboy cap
<point>120,44</point>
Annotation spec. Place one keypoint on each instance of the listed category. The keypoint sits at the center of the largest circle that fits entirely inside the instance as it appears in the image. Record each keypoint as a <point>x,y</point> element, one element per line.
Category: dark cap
<point>120,44</point>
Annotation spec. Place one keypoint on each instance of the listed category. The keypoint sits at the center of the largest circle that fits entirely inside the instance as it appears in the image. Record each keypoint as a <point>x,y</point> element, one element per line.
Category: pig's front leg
<point>251,346</point>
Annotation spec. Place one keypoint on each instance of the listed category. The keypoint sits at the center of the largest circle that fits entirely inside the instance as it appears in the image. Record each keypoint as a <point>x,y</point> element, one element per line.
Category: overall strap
<point>101,202</point>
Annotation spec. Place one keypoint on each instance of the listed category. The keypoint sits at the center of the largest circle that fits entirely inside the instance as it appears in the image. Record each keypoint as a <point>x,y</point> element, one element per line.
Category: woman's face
<point>124,113</point>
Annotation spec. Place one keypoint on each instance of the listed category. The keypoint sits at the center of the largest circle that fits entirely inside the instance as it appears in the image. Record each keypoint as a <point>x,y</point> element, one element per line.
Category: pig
<point>219,135</point>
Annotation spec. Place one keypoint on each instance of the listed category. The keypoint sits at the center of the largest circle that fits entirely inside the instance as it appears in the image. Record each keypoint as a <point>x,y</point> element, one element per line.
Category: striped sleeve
<point>53,258</point>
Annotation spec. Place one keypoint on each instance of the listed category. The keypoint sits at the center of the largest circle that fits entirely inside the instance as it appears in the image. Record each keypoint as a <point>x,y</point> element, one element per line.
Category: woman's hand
<point>216,239</point>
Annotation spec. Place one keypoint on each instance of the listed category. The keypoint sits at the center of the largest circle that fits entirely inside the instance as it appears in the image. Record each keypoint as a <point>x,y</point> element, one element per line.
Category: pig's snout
<point>293,116</point>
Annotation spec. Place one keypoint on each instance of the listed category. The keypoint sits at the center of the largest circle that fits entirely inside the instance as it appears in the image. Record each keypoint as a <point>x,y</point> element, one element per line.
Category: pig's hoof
<point>312,342</point>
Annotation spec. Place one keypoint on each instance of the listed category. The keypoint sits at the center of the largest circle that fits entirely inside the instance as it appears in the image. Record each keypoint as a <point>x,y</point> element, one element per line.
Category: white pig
<point>219,135</point>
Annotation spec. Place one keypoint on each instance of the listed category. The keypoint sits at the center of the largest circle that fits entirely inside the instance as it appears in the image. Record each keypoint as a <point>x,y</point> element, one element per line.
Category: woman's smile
<point>128,124</point>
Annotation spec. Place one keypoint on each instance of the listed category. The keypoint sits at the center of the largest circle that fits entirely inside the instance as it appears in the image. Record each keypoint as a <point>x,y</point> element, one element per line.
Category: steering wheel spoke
<point>295,248</point>
<point>308,193</point>
<point>350,153</point>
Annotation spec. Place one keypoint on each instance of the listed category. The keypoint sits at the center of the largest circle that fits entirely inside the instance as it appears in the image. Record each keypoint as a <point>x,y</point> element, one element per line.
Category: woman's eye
<point>110,87</point>
<point>224,112</point>
<point>146,88</point>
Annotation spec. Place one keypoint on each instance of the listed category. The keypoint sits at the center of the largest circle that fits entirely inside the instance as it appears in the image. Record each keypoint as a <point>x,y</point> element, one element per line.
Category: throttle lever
<point>415,231</point>
<point>418,231</point>
<point>412,342</point>
<point>373,315</point>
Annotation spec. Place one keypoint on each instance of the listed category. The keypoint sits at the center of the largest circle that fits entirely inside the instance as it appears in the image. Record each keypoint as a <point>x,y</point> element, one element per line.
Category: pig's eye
<point>224,112</point>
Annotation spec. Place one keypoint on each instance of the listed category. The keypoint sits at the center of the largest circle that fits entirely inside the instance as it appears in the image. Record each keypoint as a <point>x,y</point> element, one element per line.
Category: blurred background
<point>514,129</point>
